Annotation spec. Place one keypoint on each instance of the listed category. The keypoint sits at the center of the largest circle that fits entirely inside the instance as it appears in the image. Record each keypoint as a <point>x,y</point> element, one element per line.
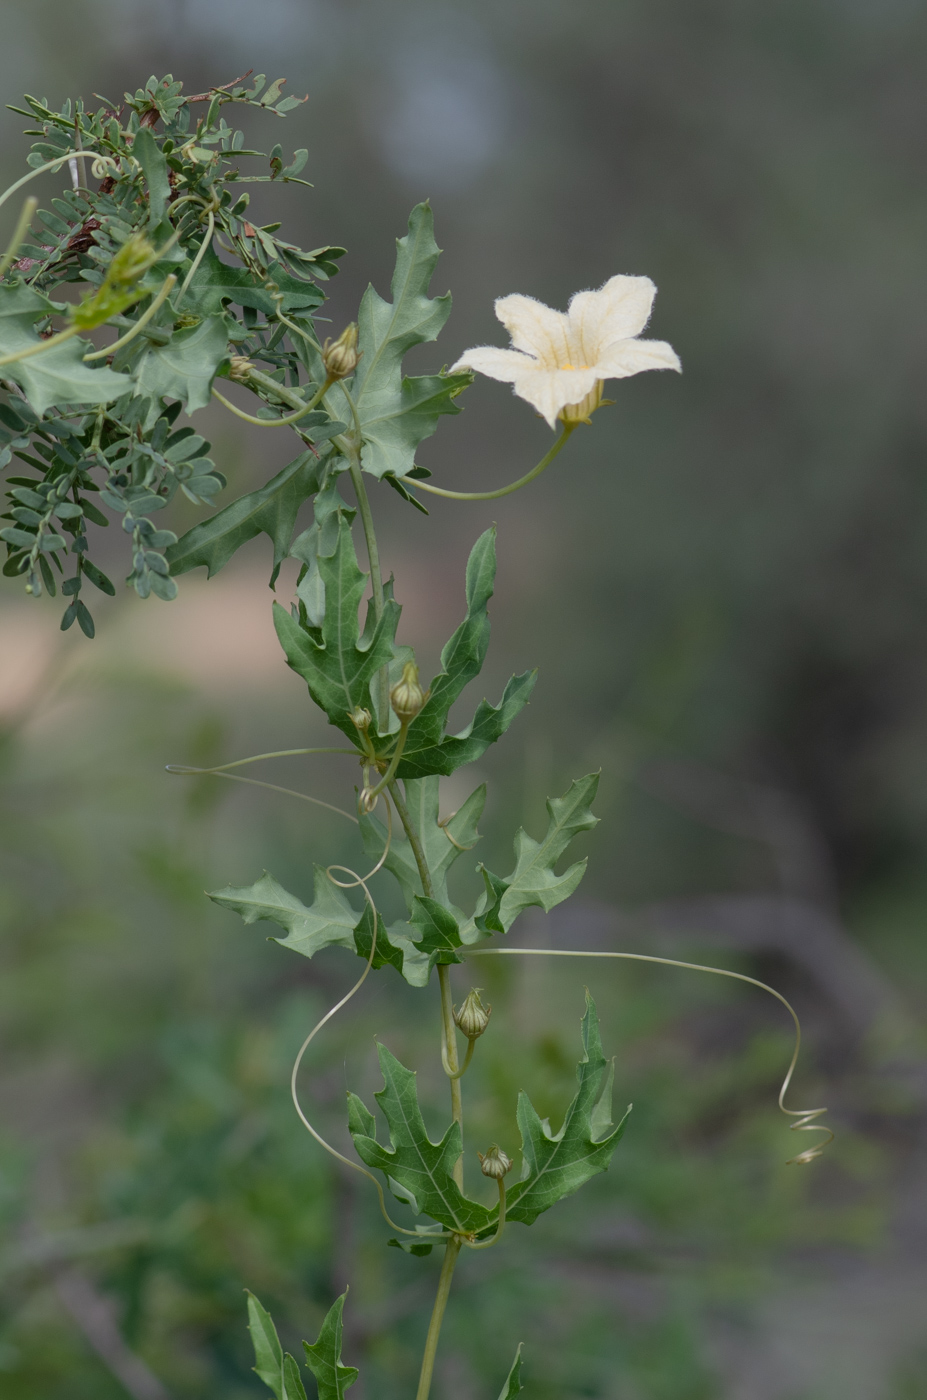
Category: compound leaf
<point>293,1388</point>
<point>323,1356</point>
<point>462,657</point>
<point>419,1167</point>
<point>557,1164</point>
<point>153,161</point>
<point>329,922</point>
<point>270,510</point>
<point>437,929</point>
<point>487,726</point>
<point>336,662</point>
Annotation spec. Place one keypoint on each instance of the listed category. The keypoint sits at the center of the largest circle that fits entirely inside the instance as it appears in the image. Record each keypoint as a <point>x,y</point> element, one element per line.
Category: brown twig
<point>205,96</point>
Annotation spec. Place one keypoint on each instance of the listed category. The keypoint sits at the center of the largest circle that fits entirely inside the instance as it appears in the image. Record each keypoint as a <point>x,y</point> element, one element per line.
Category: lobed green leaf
<point>185,368</point>
<point>428,750</point>
<point>420,1168</point>
<point>534,881</point>
<point>557,1164</point>
<point>336,662</point>
<point>56,377</point>
<point>397,413</point>
<point>323,1357</point>
<point>270,510</point>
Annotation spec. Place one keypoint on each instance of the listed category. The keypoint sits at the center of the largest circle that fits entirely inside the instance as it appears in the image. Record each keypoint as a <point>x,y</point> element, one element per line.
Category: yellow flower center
<point>569,366</point>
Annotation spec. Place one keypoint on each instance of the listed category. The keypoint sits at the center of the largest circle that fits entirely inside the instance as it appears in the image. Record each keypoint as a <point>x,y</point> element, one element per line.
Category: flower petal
<point>551,390</point>
<point>536,329</point>
<point>629,357</point>
<point>506,365</point>
<point>617,311</point>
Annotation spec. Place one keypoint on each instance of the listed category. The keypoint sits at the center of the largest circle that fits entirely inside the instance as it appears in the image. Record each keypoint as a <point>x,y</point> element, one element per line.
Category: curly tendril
<point>356,881</point>
<point>804,1117</point>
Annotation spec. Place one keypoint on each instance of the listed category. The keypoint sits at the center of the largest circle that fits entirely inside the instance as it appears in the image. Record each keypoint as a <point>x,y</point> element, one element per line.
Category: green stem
<point>272,386</point>
<point>291,325</point>
<point>201,253</point>
<point>451,1252</point>
<point>42,346</point>
<point>423,872</point>
<point>53,164</point>
<point>273,422</point>
<point>277,753</point>
<point>457,1073</point>
<point>449,1053</point>
<point>369,795</point>
<point>376,576</point>
<point>503,490</point>
<point>449,1042</point>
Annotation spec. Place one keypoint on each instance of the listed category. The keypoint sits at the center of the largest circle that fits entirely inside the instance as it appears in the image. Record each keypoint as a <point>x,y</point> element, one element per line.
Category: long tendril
<point>804,1117</point>
<point>186,770</point>
<point>257,757</point>
<point>354,882</point>
<point>102,165</point>
<point>200,254</point>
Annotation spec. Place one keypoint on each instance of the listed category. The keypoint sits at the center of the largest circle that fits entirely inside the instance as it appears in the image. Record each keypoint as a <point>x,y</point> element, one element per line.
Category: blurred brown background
<point>724,583</point>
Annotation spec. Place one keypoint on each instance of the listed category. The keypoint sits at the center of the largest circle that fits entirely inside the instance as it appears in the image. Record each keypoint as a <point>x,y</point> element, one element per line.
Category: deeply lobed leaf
<point>270,510</point>
<point>330,921</point>
<point>428,749</point>
<point>336,662</point>
<point>534,880</point>
<point>419,1167</point>
<point>323,1356</point>
<point>397,413</point>
<point>557,1164</point>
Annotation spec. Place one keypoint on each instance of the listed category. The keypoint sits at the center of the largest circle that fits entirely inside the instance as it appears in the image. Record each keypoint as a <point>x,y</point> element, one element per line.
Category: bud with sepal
<point>473,1017</point>
<point>340,357</point>
<point>495,1163</point>
<point>407,696</point>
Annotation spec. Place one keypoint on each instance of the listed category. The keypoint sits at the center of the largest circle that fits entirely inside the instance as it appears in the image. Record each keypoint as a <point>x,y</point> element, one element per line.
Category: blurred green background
<point>724,583</point>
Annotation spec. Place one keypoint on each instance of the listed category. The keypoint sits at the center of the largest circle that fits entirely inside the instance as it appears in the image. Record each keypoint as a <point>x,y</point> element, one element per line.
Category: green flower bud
<point>340,357</point>
<point>495,1163</point>
<point>361,719</point>
<point>473,1017</point>
<point>407,697</point>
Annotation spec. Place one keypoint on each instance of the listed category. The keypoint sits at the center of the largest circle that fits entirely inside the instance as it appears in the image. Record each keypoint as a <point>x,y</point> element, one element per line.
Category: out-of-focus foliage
<point>150,1143</point>
<point>759,529</point>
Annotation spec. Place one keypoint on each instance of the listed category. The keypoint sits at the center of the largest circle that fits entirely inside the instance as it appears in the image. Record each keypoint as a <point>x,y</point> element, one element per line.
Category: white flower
<point>559,359</point>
